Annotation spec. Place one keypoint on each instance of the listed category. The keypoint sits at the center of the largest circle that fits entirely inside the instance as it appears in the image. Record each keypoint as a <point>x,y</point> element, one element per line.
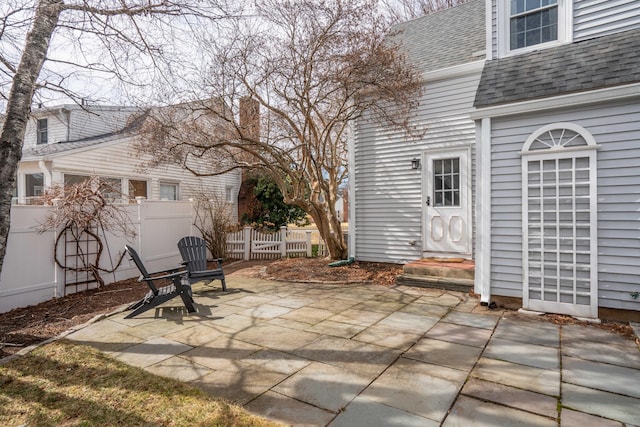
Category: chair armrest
<point>167,276</point>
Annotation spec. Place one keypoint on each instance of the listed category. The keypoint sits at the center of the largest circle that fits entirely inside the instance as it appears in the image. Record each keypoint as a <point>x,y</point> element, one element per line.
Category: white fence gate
<point>250,244</point>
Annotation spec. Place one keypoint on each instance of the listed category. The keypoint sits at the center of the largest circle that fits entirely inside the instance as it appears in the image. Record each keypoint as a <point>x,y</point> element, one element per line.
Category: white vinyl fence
<point>30,275</point>
<point>249,244</point>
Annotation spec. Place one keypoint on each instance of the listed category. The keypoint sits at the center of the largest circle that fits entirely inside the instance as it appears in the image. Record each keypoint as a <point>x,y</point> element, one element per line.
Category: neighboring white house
<point>530,168</point>
<point>69,142</point>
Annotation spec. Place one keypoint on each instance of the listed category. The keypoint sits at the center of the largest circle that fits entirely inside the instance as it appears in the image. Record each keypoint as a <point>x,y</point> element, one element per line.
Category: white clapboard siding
<point>616,129</point>
<point>388,193</point>
<point>118,159</point>
<point>595,18</point>
<point>57,129</point>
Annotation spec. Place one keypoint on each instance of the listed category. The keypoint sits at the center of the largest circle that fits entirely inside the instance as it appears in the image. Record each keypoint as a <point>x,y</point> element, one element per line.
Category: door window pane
<point>35,184</point>
<point>446,182</point>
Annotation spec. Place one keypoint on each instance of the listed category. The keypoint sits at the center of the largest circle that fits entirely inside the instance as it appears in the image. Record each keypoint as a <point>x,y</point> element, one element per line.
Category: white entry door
<point>447,202</point>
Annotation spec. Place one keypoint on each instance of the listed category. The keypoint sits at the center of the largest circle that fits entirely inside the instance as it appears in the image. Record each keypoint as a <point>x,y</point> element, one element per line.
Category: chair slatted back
<point>194,250</point>
<point>138,262</point>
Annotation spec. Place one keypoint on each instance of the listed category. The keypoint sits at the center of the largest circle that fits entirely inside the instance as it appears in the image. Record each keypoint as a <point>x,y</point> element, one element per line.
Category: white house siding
<point>56,129</point>
<point>388,193</point>
<point>594,18</point>
<point>99,121</point>
<point>617,129</point>
<point>118,160</point>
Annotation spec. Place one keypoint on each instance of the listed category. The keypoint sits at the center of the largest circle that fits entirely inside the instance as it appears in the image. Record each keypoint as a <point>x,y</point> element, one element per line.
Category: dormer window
<point>533,22</point>
<point>42,131</point>
<point>526,25</point>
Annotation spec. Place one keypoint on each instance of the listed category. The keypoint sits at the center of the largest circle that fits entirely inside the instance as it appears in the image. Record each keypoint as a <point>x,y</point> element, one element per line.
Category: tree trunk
<point>19,107</point>
<point>331,233</point>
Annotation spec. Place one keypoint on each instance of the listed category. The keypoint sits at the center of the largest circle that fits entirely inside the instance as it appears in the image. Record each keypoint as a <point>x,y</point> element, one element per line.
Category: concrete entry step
<point>442,273</point>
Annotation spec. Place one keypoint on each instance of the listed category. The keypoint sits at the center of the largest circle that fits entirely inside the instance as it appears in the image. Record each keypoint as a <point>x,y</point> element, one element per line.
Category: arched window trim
<point>579,130</point>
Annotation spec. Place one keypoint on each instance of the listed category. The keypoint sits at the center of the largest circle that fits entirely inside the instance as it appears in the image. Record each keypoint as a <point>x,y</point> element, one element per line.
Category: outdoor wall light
<point>415,163</point>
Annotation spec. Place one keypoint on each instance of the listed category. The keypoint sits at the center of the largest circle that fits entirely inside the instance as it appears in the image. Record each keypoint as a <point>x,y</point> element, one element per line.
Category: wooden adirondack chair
<point>194,255</point>
<point>157,296</point>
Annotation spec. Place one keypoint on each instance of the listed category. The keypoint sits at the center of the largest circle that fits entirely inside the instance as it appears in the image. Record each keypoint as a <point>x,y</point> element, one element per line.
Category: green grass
<point>72,385</point>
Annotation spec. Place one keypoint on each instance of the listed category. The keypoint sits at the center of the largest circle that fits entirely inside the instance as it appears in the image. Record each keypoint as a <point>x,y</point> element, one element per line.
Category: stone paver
<point>472,412</point>
<point>368,355</point>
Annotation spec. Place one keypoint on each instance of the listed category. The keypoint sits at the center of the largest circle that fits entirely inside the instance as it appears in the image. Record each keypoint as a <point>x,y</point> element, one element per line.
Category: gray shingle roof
<point>610,60</point>
<point>39,152</point>
<point>444,39</point>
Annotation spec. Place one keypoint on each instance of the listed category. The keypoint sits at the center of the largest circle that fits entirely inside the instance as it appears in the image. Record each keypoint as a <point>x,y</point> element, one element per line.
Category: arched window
<point>559,204</point>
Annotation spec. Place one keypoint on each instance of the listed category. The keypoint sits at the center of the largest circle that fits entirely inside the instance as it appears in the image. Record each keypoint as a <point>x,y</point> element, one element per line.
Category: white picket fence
<point>250,244</point>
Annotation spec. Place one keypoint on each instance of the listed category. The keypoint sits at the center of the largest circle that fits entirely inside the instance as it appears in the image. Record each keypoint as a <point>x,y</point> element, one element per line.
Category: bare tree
<point>404,10</point>
<point>305,69</point>
<point>124,39</point>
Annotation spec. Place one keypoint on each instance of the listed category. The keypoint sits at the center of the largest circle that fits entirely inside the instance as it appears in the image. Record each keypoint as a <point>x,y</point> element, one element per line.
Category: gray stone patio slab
<point>197,335</point>
<point>221,353</point>
<point>472,412</point>
<point>293,301</point>
<point>323,385</point>
<point>539,356</point>
<point>364,359</point>
<point>336,329</point>
<point>395,296</point>
<point>266,311</point>
<point>388,337</point>
<point>335,305</point>
<point>358,317</point>
<point>431,310</point>
<point>460,334</point>
<point>277,361</point>
<point>234,323</point>
<point>96,330</point>
<point>276,337</point>
<point>408,387</point>
<point>288,323</point>
<point>601,376</point>
<point>381,306</point>
<point>364,413</point>
<point>573,333</point>
<point>445,353</point>
<point>447,299</point>
<point>536,403</point>
<point>179,369</point>
<point>469,319</point>
<point>250,301</point>
<point>528,331</point>
<point>285,410</point>
<point>571,418</point>
<point>151,351</point>
<point>623,353</point>
<point>409,322</point>
<point>520,376</point>
<point>601,403</point>
<point>240,383</point>
<point>308,315</point>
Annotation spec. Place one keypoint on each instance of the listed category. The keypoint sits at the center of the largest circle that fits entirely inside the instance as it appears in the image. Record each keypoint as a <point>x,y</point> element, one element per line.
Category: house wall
<point>387,193</point>
<point>57,129</point>
<point>591,18</point>
<point>616,128</point>
<point>97,122</point>
<point>594,18</point>
<point>119,160</point>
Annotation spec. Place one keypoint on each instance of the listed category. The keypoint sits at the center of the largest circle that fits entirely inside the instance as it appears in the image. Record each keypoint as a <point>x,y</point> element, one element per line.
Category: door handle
<point>428,200</point>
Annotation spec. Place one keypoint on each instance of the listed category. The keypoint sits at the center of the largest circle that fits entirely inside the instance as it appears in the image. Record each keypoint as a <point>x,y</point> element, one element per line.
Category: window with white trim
<point>229,194</point>
<point>525,25</point>
<point>168,191</point>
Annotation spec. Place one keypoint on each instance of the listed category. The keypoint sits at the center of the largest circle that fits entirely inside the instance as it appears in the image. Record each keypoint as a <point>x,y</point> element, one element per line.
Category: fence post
<point>283,241</point>
<point>309,247</point>
<point>247,243</point>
